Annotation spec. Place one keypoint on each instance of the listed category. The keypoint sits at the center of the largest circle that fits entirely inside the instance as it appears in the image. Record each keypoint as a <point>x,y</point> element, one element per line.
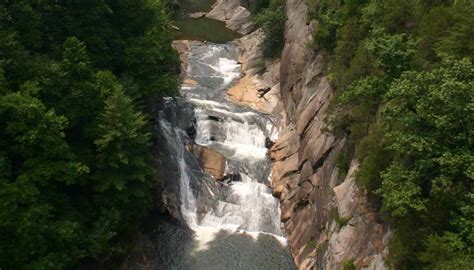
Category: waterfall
<point>212,210</point>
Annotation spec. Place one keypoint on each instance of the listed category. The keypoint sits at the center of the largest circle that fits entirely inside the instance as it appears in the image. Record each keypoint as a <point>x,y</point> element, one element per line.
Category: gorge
<point>242,220</point>
<point>237,134</point>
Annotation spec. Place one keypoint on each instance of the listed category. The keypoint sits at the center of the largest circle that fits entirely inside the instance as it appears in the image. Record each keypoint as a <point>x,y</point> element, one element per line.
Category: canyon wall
<point>326,216</point>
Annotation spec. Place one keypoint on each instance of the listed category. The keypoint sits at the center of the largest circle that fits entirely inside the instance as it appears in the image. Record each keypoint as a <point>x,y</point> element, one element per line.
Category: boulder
<point>246,92</point>
<point>198,14</point>
<point>210,160</point>
<point>233,14</point>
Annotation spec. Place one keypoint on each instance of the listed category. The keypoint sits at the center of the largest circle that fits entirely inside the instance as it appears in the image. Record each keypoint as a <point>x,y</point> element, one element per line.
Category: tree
<point>37,167</point>
<point>429,130</point>
<point>66,200</point>
<point>121,145</point>
<point>272,21</point>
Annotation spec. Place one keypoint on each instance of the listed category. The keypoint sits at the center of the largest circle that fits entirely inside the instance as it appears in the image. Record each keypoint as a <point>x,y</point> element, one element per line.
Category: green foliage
<point>340,221</point>
<point>422,110</point>
<point>272,21</point>
<point>348,265</point>
<point>402,73</point>
<point>312,243</point>
<point>258,6</point>
<point>302,203</point>
<point>121,143</point>
<point>329,18</point>
<point>343,163</point>
<point>75,173</point>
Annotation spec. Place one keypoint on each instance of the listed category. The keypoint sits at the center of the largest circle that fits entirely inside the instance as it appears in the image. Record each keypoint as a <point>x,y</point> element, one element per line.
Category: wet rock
<point>214,118</point>
<point>191,131</point>
<point>268,143</point>
<point>210,160</point>
<point>232,177</point>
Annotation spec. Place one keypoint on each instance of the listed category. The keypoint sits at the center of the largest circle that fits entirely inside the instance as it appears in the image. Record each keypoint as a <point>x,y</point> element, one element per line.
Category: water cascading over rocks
<point>236,225</point>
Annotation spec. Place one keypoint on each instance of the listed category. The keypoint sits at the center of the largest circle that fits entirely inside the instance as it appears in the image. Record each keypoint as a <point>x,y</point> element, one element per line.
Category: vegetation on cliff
<point>403,76</point>
<point>270,15</point>
<point>76,81</point>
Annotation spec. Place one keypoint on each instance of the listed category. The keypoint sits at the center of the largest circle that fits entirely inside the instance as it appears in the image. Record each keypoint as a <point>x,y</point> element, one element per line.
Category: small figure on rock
<point>263,91</point>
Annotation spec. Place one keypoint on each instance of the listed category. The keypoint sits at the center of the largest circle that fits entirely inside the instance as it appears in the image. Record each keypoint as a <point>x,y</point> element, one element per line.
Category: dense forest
<point>77,79</point>
<point>404,82</point>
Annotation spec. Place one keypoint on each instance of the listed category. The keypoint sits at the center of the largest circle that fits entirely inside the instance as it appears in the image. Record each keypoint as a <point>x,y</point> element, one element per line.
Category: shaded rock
<point>191,132</point>
<point>233,177</point>
<point>278,191</point>
<point>268,143</point>
<point>214,118</point>
<point>182,46</point>
<point>250,53</point>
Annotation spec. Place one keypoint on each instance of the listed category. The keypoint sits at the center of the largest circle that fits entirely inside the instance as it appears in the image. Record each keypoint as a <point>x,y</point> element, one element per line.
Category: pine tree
<point>121,144</point>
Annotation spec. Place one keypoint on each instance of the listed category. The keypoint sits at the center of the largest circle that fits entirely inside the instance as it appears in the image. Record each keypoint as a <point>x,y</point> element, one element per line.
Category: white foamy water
<point>247,207</point>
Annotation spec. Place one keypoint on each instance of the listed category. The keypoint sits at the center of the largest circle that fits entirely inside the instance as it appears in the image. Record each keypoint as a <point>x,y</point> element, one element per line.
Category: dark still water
<point>203,29</point>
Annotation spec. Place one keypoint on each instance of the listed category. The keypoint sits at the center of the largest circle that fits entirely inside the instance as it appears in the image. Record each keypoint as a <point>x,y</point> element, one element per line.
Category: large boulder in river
<point>233,14</point>
<point>210,160</point>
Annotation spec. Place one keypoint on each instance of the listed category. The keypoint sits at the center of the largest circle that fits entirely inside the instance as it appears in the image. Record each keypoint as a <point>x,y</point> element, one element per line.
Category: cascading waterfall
<point>235,226</point>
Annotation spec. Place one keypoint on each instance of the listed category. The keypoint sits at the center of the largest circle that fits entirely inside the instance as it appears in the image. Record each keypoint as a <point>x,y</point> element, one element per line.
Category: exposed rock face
<point>259,74</point>
<point>327,217</point>
<point>210,160</point>
<point>233,14</point>
<point>182,46</point>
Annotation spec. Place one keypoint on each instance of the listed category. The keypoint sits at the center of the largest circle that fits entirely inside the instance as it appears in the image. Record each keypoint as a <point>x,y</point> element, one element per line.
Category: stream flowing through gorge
<point>234,226</point>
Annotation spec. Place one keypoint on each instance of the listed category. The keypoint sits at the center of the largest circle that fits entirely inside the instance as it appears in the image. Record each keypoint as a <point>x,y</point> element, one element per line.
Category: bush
<point>258,6</point>
<point>272,21</point>
<point>348,265</point>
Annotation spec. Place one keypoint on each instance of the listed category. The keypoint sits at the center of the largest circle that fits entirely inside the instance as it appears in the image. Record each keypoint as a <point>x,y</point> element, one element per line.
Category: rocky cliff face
<point>326,216</point>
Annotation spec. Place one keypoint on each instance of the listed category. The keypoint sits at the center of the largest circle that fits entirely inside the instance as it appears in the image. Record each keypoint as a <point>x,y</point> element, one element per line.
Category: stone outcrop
<point>328,219</point>
<point>210,160</point>
<point>259,74</point>
<point>233,14</point>
<point>182,47</point>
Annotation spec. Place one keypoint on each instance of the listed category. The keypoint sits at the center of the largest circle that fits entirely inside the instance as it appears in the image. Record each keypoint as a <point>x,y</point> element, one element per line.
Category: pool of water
<point>203,29</point>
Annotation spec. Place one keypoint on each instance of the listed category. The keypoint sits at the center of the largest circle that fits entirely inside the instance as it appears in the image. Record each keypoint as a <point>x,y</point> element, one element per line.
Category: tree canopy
<point>77,79</point>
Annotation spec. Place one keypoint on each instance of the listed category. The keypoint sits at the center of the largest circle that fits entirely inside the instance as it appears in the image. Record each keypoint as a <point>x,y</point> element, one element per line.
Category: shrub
<point>272,21</point>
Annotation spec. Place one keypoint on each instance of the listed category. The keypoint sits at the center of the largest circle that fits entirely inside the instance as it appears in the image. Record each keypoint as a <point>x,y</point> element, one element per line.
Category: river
<point>234,226</point>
